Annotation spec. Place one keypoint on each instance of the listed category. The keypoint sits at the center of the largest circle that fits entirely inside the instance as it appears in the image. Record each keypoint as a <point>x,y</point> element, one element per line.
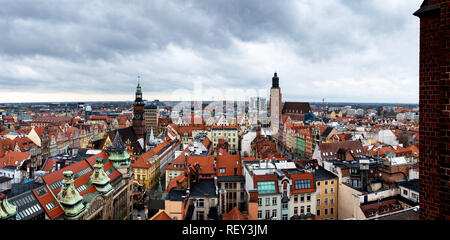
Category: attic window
<point>50,205</point>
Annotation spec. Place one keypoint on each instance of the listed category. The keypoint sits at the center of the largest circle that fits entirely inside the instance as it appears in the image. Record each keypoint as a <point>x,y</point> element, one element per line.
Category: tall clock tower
<point>138,114</point>
<point>275,106</point>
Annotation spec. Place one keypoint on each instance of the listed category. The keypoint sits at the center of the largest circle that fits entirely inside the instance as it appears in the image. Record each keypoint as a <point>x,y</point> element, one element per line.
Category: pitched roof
<point>235,214</point>
<point>303,176</point>
<point>144,160</point>
<point>206,163</point>
<point>161,215</point>
<point>411,184</point>
<point>330,150</point>
<point>229,163</point>
<point>14,159</point>
<point>296,107</point>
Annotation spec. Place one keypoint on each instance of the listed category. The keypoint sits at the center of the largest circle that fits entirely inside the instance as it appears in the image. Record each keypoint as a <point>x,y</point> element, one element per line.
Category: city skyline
<point>81,51</point>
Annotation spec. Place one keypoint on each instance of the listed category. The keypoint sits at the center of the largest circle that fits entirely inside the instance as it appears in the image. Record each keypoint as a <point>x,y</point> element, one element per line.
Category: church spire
<point>138,99</point>
<point>275,81</point>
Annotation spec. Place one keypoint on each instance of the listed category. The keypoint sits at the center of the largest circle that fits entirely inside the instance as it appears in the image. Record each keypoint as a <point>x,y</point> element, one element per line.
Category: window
<point>267,214</point>
<point>302,209</point>
<point>332,190</point>
<point>222,170</point>
<point>326,182</point>
<point>331,210</point>
<point>259,214</point>
<point>274,201</point>
<point>318,212</point>
<point>308,208</point>
<point>415,196</point>
<point>200,215</point>
<point>325,201</point>
<point>266,187</point>
<point>295,210</point>
<point>318,191</point>
<point>285,206</point>
<point>308,197</point>
<point>295,198</point>
<point>285,217</point>
<point>405,192</point>
<point>331,200</point>
<point>259,202</point>
<point>200,203</point>
<point>302,184</point>
<point>325,191</point>
<point>318,183</point>
<point>326,211</point>
<point>318,202</point>
<point>302,198</point>
<point>332,182</point>
<point>274,213</point>
<point>267,201</point>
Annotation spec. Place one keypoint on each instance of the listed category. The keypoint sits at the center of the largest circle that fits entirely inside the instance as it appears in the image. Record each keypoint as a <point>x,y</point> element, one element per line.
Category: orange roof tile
<point>229,163</point>
<point>235,214</point>
<point>161,215</point>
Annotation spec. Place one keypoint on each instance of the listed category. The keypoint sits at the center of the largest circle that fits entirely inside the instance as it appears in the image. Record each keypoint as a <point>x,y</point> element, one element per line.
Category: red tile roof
<point>235,214</point>
<point>144,160</point>
<point>161,215</point>
<point>387,205</point>
<point>47,198</point>
<point>303,176</point>
<point>49,164</point>
<point>206,164</point>
<point>229,163</point>
<point>14,159</point>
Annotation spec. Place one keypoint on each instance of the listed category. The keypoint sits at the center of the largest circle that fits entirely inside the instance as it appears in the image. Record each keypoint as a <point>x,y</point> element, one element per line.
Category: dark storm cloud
<point>104,45</point>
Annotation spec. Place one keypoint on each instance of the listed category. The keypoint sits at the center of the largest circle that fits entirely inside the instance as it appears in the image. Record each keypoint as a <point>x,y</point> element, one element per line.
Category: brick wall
<point>434,74</point>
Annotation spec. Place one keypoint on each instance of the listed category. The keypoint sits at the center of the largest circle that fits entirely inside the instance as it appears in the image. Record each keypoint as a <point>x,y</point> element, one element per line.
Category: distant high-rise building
<point>138,114</point>
<point>151,115</point>
<point>275,105</point>
<point>434,115</point>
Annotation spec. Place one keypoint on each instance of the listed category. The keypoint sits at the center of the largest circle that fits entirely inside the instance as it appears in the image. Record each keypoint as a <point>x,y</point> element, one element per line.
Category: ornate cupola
<point>69,198</point>
<point>117,153</point>
<point>7,210</point>
<point>275,81</point>
<point>100,180</point>
<point>138,99</point>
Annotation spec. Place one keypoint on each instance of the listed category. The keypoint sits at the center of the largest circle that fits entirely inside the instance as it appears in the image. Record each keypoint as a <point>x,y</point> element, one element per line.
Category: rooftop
<point>411,184</point>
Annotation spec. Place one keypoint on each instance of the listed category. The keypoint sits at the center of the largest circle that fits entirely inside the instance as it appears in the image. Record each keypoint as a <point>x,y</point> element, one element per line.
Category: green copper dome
<point>100,180</point>
<point>7,210</point>
<point>117,153</point>
<point>70,199</point>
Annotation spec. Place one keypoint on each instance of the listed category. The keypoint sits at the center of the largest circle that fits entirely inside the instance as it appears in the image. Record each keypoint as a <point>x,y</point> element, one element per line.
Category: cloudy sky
<point>343,51</point>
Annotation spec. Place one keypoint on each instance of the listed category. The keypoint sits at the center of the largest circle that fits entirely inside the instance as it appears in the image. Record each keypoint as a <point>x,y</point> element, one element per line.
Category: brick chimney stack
<point>434,113</point>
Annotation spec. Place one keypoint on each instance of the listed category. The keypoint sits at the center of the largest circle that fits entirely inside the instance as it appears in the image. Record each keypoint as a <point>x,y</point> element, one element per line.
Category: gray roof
<point>322,174</point>
<point>203,187</point>
<point>176,195</point>
<point>411,184</point>
<point>27,205</point>
<point>230,178</point>
<point>4,179</point>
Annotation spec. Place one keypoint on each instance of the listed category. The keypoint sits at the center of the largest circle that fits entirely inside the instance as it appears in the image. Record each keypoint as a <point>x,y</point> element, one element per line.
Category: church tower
<point>138,114</point>
<point>275,106</point>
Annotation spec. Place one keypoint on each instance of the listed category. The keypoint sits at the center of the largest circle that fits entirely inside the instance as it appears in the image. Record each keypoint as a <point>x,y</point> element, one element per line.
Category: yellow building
<point>147,168</point>
<point>326,194</point>
<point>229,133</point>
<point>332,115</point>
